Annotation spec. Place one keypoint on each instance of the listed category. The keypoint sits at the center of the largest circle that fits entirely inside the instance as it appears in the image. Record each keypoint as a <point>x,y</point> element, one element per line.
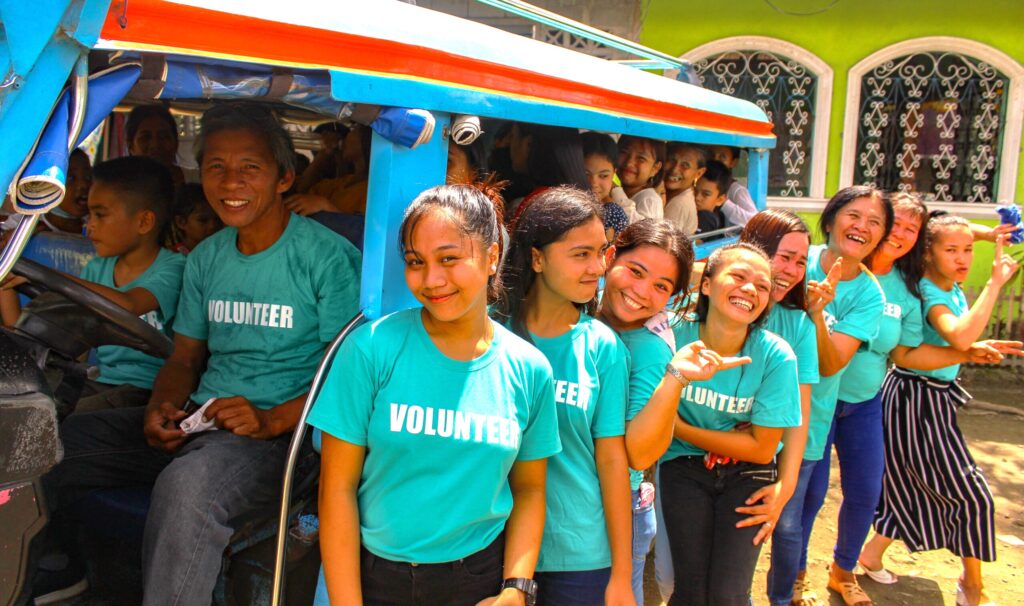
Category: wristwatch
<point>527,586</point>
<point>678,376</point>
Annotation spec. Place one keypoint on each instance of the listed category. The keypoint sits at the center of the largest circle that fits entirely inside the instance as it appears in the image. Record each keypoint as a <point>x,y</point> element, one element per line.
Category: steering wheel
<point>121,326</point>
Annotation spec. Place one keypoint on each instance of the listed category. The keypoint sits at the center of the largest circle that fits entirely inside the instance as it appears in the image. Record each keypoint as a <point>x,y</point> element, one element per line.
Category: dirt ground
<point>997,442</point>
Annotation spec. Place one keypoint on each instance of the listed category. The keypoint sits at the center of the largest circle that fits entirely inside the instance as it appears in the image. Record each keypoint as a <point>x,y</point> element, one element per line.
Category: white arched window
<point>793,87</point>
<point>940,116</point>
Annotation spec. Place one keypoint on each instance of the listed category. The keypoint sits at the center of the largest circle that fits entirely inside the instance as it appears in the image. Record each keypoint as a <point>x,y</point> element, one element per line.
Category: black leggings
<point>713,560</point>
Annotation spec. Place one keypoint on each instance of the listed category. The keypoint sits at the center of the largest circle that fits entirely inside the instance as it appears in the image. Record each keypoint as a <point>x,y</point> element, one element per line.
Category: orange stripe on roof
<point>152,22</point>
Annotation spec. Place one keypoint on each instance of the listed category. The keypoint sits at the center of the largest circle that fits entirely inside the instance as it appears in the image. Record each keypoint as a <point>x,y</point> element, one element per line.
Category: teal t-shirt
<point>957,303</point>
<point>267,317</point>
<point>123,365</point>
<point>441,435</point>
<point>648,355</point>
<point>765,392</point>
<point>900,325</point>
<point>591,374</point>
<point>795,327</point>
<point>856,310</point>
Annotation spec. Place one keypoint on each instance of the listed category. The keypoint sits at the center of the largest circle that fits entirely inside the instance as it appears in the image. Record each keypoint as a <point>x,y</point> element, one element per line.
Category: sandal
<point>803,595</point>
<point>882,576</point>
<point>961,598</point>
<point>850,591</point>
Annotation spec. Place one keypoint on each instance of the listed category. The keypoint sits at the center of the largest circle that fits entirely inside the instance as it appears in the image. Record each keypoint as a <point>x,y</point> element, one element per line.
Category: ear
<point>700,173</point>
<point>705,286</point>
<point>181,221</point>
<point>145,220</point>
<point>609,256</point>
<point>536,261</point>
<point>285,182</point>
<point>493,258</point>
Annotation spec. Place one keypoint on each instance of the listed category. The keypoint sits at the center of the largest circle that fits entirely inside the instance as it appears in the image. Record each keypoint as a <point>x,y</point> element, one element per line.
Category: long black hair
<point>551,215</point>
<point>911,265</point>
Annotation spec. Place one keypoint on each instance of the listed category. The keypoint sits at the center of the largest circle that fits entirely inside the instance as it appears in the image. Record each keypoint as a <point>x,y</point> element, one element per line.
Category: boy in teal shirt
<point>129,207</point>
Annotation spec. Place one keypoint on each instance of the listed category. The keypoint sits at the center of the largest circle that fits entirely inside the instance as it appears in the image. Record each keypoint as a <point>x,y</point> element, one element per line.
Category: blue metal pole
<point>757,177</point>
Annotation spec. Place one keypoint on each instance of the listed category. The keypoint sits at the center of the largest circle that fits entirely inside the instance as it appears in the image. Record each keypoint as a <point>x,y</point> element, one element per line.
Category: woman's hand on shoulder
<point>698,363</point>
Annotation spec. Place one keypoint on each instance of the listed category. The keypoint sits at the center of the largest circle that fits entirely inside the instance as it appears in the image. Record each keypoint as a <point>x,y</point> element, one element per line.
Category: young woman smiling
<point>651,264</point>
<point>556,257</point>
<point>934,495</point>
<point>391,412</point>
<point>730,372</point>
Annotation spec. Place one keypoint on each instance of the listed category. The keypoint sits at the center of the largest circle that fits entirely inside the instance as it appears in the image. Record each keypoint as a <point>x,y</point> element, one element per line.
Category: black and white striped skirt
<point>933,494</point>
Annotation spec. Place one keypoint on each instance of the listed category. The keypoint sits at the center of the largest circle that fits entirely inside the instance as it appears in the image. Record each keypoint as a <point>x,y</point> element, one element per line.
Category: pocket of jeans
<point>767,474</point>
<point>644,529</point>
<point>485,563</point>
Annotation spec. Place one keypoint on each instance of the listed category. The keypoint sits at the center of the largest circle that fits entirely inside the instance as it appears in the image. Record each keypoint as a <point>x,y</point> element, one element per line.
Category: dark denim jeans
<point>573,588</point>
<point>213,479</point>
<point>858,436</point>
<point>457,583</point>
<point>712,560</point>
<point>788,541</point>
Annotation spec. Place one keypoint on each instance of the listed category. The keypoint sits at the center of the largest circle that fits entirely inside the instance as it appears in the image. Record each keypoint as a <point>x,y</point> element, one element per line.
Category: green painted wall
<point>842,35</point>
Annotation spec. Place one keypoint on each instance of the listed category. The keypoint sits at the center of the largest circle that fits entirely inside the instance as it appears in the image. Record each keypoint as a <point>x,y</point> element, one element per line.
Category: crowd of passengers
<point>502,443</point>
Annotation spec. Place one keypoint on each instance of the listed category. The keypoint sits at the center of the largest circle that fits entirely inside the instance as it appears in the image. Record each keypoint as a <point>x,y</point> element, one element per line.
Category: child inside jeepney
<point>739,206</point>
<point>599,155</point>
<point>710,195</point>
<point>684,165</point>
<point>192,219</point>
<point>640,171</point>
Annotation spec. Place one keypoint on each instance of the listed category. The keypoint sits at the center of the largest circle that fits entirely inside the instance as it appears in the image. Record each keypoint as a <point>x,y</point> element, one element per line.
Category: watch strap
<point>678,376</point>
<point>527,586</point>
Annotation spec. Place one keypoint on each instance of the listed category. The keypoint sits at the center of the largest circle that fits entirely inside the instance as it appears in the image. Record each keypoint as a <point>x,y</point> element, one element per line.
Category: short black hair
<point>600,144</point>
<point>144,184</point>
<point>719,174</point>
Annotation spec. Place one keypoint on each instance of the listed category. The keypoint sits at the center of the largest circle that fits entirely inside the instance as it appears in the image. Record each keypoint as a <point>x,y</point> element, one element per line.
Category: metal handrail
<point>293,455</point>
<point>26,227</point>
<point>656,59</point>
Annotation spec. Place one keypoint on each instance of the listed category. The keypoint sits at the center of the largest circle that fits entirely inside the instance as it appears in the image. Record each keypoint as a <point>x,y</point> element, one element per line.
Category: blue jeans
<point>197,492</point>
<point>713,561</point>
<point>572,588</point>
<point>857,434</point>
<point>663,574</point>
<point>643,533</point>
<point>788,541</point>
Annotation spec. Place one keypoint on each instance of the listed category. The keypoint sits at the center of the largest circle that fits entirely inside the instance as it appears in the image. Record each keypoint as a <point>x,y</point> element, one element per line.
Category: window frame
<point>1006,183</point>
<point>822,98</point>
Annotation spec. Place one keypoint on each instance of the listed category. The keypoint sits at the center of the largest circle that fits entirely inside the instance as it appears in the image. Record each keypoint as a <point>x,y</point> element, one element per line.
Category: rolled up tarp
<point>41,185</point>
<point>310,90</point>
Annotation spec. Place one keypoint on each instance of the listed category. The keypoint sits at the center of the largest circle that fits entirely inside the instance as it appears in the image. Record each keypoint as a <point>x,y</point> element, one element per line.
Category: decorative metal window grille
<point>785,90</point>
<point>932,122</point>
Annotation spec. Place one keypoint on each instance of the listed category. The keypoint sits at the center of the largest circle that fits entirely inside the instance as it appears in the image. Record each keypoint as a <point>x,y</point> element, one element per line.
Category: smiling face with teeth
<point>243,182</point>
<point>905,230</point>
<point>739,288</point>
<point>857,228</point>
<point>638,285</point>
<point>789,264</point>
<point>682,169</point>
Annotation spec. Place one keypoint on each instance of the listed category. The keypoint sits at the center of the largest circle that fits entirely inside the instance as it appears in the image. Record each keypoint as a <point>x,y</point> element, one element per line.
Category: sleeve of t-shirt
<point>777,402</point>
<point>645,373</point>
<point>164,283</point>
<point>540,438</point>
<point>613,369</point>
<point>649,204</point>
<point>338,288</point>
<point>865,316</point>
<point>345,403</point>
<point>933,295</point>
<point>806,350</point>
<point>191,319</point>
<point>912,324</point>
